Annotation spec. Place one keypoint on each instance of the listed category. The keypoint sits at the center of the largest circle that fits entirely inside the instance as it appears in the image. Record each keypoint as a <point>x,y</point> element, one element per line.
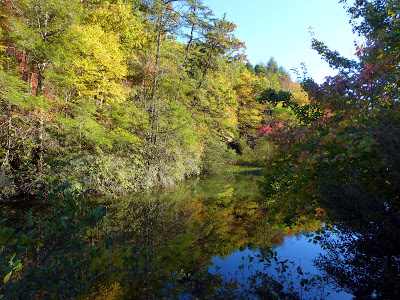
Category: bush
<point>257,156</point>
<point>216,157</point>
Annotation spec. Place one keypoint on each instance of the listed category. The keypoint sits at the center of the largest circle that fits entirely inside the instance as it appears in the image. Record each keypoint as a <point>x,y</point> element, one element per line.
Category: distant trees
<point>271,67</point>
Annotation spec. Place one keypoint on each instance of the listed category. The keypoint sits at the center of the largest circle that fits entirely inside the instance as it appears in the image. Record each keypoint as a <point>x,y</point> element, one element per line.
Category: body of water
<point>215,226</point>
<point>210,238</point>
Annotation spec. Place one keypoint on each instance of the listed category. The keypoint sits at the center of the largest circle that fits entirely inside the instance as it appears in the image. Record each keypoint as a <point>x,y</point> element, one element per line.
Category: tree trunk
<point>6,162</point>
<point>41,129</point>
<point>154,113</point>
<point>40,79</point>
<point>185,61</point>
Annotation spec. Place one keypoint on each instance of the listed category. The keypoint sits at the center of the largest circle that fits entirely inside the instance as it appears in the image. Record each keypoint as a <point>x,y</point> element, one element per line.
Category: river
<point>214,240</point>
<point>208,238</point>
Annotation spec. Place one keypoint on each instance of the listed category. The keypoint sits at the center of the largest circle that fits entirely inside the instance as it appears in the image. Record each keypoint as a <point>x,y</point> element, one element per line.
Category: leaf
<point>7,277</point>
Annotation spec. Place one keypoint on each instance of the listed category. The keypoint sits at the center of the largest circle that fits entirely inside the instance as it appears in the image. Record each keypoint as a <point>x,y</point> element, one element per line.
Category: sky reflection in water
<point>297,249</point>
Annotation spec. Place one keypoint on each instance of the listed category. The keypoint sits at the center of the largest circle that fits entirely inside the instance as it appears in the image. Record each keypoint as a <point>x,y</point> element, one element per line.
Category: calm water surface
<point>209,238</point>
<point>214,226</point>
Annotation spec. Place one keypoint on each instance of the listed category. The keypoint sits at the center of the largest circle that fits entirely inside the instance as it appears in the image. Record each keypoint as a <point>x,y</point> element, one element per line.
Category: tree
<point>219,41</point>
<point>38,28</point>
<point>259,69</point>
<point>344,161</point>
<point>250,68</point>
<point>272,66</point>
<point>249,111</point>
<point>197,20</point>
<point>100,67</point>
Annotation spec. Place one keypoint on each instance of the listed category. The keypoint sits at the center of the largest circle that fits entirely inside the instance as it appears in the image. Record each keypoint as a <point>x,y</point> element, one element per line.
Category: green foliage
<point>217,155</point>
<point>106,174</point>
<point>306,114</point>
<point>333,57</point>
<point>46,260</point>
<point>262,152</point>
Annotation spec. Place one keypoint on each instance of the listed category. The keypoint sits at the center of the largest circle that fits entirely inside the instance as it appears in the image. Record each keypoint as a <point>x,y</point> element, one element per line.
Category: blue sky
<point>280,28</point>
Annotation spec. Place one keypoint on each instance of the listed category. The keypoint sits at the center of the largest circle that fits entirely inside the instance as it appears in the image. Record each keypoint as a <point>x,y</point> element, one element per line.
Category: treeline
<point>116,96</point>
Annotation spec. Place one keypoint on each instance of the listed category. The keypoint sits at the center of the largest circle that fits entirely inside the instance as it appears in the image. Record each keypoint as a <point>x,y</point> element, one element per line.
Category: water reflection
<point>209,239</point>
<point>364,257</point>
<point>365,263</point>
<point>187,227</point>
<point>293,274</point>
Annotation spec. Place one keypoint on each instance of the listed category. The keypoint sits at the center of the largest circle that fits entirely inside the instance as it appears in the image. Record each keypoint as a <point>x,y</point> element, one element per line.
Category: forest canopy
<point>117,96</point>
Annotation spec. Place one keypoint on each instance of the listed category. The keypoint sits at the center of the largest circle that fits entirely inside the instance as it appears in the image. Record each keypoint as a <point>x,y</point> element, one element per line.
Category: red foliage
<point>270,128</point>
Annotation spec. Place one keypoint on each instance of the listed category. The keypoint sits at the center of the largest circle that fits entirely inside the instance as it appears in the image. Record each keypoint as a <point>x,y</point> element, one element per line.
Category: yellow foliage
<point>106,293</point>
<point>117,18</point>
<point>245,84</point>
<point>100,69</point>
<point>42,114</point>
<point>202,130</point>
<point>221,102</point>
<point>249,112</point>
<point>109,37</point>
<point>2,49</point>
<point>299,95</point>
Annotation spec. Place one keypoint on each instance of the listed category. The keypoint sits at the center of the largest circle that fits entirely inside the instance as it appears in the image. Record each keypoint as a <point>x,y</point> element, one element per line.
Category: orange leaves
<point>42,114</point>
<point>103,119</point>
<point>320,213</point>
<point>359,50</point>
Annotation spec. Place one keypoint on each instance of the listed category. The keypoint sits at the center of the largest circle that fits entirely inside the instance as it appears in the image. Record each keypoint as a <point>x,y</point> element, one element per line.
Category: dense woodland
<point>118,96</point>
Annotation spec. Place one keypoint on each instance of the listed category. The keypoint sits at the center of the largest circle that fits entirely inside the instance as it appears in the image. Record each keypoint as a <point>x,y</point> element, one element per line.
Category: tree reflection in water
<point>364,255</point>
<point>187,226</point>
<point>162,244</point>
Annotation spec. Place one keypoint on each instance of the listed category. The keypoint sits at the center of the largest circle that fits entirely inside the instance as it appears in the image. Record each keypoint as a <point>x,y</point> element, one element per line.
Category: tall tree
<point>197,20</point>
<point>39,28</point>
<point>272,66</point>
<point>163,19</point>
<point>219,41</point>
